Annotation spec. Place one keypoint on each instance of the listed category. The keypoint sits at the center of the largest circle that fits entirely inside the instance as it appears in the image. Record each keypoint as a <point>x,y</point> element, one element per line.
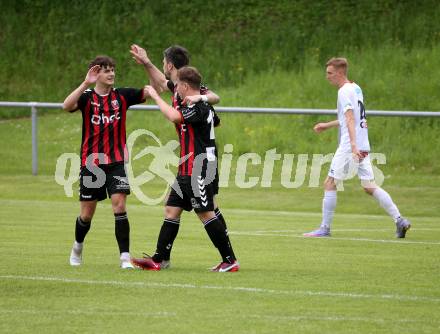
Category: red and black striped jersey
<point>103,127</point>
<point>196,136</point>
<point>192,131</point>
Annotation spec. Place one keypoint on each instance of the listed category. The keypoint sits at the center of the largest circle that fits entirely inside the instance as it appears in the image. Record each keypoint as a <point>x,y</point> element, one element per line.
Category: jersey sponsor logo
<point>188,112</point>
<point>98,119</point>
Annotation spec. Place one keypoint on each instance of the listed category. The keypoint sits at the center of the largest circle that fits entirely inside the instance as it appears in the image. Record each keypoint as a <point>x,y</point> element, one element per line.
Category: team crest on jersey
<point>115,104</point>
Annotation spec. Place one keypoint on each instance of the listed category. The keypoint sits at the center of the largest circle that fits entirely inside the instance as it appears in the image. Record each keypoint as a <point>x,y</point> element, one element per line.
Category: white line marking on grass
<point>93,312</point>
<point>337,318</point>
<point>270,234</point>
<point>314,214</point>
<point>228,288</point>
<point>391,230</point>
<point>246,212</point>
<point>383,229</point>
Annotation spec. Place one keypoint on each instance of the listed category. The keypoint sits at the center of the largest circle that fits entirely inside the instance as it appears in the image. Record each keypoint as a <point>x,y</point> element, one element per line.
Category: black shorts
<point>203,201</point>
<point>215,185</point>
<point>112,180</point>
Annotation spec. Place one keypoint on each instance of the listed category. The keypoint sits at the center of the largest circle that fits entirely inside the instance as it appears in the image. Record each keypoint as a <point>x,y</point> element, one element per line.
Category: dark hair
<point>190,75</point>
<point>177,55</point>
<point>103,61</point>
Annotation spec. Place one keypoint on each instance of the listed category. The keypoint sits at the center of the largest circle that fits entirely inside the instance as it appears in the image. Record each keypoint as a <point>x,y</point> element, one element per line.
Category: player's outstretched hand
<point>146,94</point>
<point>151,92</point>
<point>92,74</point>
<point>139,54</point>
<point>189,100</point>
<point>318,128</point>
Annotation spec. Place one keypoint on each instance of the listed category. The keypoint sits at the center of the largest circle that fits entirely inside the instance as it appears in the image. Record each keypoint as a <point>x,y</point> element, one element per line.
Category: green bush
<point>46,45</point>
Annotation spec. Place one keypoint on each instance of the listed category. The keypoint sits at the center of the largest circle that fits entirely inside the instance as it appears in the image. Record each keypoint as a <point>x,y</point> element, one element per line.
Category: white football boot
<point>76,254</point>
<point>126,261</point>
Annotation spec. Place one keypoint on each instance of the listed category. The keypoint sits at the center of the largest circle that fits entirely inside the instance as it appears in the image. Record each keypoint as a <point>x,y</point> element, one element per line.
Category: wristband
<point>204,98</point>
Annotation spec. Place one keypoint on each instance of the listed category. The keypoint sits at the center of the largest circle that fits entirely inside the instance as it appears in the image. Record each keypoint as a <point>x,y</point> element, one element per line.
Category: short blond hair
<point>338,64</point>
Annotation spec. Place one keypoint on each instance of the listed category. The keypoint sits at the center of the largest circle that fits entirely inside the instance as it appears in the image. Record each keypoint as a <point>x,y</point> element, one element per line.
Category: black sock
<point>223,222</point>
<point>217,234</point>
<point>167,235</point>
<point>81,229</point>
<point>122,232</point>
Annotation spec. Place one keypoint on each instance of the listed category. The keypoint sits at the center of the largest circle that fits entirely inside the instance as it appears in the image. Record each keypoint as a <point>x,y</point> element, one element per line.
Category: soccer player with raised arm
<point>193,188</point>
<point>103,152</point>
<point>174,58</point>
<point>353,151</point>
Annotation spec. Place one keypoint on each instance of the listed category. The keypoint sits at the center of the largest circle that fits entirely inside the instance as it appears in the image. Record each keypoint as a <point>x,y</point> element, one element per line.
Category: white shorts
<point>344,167</point>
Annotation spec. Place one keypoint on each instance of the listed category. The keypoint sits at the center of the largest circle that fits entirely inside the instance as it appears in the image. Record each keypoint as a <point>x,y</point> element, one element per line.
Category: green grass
<point>362,280</point>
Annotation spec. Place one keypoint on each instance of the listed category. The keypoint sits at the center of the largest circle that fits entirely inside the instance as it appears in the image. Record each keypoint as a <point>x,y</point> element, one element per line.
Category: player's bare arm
<point>349,118</point>
<point>209,97</point>
<point>320,127</point>
<point>169,112</point>
<point>157,78</point>
<point>71,102</point>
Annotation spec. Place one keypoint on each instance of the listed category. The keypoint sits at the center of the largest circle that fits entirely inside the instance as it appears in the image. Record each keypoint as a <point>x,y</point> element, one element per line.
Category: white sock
<point>125,256</point>
<point>78,245</point>
<point>386,202</point>
<point>328,208</point>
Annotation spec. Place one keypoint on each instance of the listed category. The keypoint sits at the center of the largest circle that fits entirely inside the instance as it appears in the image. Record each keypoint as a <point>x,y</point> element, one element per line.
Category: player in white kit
<point>352,155</point>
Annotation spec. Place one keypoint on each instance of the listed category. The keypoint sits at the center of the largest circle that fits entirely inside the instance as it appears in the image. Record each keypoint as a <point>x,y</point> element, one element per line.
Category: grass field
<point>362,280</point>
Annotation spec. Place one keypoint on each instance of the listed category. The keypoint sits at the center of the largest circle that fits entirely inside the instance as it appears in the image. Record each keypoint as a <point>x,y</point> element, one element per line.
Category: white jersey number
<point>210,120</point>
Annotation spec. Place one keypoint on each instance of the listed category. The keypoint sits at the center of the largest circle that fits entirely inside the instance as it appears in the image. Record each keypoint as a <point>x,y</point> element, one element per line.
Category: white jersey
<point>350,98</point>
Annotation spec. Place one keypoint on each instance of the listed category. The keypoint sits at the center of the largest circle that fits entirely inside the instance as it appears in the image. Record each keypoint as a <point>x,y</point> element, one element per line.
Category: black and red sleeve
<point>132,96</point>
<point>82,101</point>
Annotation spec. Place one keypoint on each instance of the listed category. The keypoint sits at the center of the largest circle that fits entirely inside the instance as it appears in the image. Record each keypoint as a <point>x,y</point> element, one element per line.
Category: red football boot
<point>146,263</point>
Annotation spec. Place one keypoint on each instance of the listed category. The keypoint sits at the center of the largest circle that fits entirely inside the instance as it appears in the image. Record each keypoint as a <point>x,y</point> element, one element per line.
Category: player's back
<point>350,97</point>
<point>196,134</point>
